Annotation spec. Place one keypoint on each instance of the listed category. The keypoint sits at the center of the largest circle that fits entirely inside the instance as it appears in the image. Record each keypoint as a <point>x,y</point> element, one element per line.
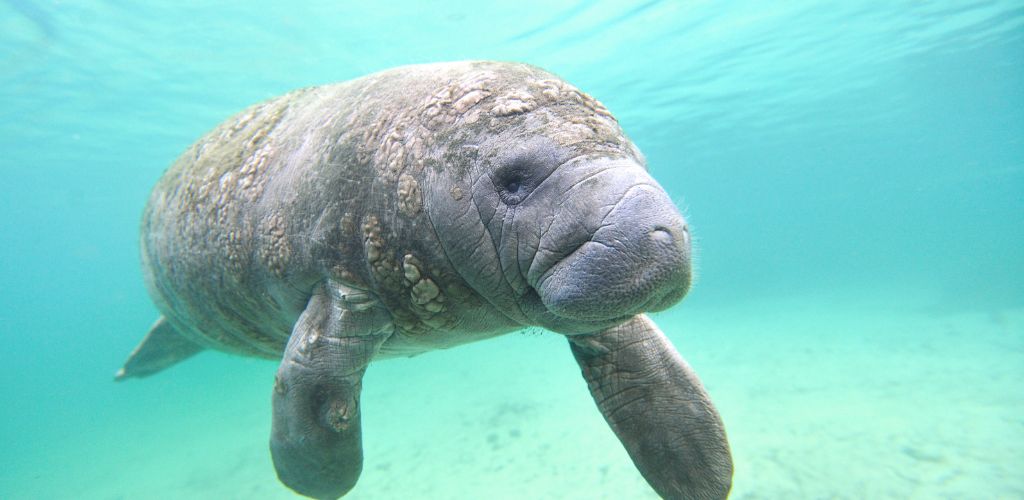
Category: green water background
<point>853,173</point>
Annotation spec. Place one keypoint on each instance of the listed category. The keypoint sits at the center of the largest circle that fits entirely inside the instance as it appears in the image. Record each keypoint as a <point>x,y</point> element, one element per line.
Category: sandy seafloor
<point>830,396</point>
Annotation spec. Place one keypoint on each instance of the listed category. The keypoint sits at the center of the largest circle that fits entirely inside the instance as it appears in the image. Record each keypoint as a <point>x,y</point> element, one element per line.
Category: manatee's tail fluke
<point>162,347</point>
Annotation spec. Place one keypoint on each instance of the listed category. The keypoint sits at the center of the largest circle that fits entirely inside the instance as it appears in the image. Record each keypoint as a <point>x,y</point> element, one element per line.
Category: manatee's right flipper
<point>657,407</point>
<point>162,347</point>
<point>315,438</point>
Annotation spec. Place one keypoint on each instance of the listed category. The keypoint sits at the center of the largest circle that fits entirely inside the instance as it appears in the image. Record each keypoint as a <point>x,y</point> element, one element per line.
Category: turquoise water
<point>853,173</point>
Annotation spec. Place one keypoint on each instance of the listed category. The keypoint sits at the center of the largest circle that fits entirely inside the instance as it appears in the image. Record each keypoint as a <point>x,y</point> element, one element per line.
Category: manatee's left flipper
<point>657,407</point>
<point>162,347</point>
<point>315,441</point>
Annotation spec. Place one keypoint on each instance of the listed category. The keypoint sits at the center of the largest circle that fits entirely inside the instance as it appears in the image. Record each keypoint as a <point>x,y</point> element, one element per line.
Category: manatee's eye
<point>513,184</point>
<point>518,173</point>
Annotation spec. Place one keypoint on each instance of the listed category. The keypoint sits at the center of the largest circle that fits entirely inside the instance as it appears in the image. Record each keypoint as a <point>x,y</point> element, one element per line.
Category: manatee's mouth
<point>602,282</point>
<point>615,246</point>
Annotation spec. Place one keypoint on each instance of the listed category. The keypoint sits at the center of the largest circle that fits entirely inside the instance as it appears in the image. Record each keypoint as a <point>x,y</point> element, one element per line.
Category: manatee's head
<point>547,209</point>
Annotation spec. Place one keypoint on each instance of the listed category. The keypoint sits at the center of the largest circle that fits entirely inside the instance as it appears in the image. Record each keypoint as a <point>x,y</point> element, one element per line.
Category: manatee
<point>421,208</point>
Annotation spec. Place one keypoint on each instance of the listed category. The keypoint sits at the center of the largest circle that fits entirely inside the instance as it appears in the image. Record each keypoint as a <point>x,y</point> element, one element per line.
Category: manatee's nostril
<point>661,235</point>
<point>686,234</point>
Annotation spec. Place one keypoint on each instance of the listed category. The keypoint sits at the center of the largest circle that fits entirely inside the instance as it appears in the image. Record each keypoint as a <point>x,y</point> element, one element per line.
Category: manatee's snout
<point>636,260</point>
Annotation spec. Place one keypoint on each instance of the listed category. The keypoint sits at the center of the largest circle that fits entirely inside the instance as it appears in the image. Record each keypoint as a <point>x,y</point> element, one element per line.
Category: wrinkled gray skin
<point>421,208</point>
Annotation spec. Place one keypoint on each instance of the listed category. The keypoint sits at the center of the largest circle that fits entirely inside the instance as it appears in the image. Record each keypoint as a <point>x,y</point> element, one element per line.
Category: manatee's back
<point>214,254</point>
<point>234,235</point>
<point>229,234</point>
